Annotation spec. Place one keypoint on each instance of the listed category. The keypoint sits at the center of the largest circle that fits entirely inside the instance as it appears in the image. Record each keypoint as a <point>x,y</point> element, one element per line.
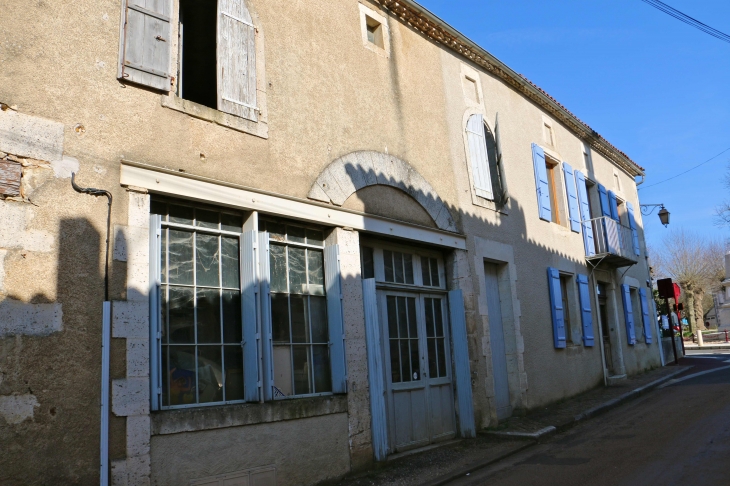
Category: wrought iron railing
<point>611,238</point>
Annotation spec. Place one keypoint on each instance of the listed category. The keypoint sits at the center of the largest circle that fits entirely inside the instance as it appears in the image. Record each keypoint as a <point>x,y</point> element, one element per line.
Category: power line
<point>688,20</point>
<point>688,170</point>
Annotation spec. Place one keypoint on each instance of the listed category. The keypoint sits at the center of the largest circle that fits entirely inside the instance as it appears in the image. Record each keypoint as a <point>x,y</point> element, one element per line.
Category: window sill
<point>206,418</point>
<point>487,204</point>
<point>258,129</point>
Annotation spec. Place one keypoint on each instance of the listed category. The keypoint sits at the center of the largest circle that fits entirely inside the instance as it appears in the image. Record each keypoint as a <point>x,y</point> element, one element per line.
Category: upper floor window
<point>487,177</point>
<point>216,58</point>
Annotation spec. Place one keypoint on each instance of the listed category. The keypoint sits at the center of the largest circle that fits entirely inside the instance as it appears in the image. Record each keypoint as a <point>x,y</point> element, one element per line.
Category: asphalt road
<point>678,434</point>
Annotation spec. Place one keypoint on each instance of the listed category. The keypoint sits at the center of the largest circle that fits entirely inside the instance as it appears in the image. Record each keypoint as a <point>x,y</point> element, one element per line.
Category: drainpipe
<point>106,331</point>
<point>641,181</point>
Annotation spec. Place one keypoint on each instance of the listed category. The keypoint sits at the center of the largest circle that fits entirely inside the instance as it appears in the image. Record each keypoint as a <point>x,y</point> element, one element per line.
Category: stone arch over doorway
<point>351,172</point>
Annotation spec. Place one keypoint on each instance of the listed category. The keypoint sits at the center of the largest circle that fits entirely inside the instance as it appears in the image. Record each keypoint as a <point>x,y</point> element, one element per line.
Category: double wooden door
<point>416,349</point>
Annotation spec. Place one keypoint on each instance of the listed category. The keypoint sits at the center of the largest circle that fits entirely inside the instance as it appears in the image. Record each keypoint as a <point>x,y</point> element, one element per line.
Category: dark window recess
<point>197,70</point>
<point>10,173</point>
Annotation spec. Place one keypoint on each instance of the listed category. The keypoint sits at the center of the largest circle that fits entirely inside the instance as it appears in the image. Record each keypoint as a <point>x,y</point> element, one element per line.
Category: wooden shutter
<point>236,60</point>
<point>628,314</point>
<point>335,321</point>
<point>478,154</point>
<point>603,195</point>
<point>646,320</point>
<point>541,182</point>
<point>249,293</point>
<point>462,371</point>
<point>376,373</point>
<point>500,163</point>
<point>145,45</point>
<point>585,213</point>
<point>632,225</point>
<point>613,205</point>
<point>572,195</point>
<point>155,311</point>
<point>585,310</point>
<point>267,349</point>
<point>556,308</point>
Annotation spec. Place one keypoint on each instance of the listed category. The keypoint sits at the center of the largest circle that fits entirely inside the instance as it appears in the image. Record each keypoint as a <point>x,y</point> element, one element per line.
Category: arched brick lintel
<point>351,172</point>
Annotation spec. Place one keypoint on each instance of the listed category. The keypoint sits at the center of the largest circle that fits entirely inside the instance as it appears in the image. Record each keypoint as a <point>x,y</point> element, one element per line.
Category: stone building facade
<point>338,230</point>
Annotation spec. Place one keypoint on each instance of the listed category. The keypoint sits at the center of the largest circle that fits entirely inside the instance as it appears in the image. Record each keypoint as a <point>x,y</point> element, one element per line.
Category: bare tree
<point>722,212</point>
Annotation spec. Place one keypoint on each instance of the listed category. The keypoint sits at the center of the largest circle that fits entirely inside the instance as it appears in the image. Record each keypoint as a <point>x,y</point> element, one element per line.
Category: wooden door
<point>496,339</point>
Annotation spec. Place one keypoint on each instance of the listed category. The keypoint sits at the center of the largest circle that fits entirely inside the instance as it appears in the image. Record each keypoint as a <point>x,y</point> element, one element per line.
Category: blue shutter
<point>585,310</point>
<point>250,329</point>
<point>376,373</point>
<point>265,303</point>
<point>155,310</point>
<point>632,225</point>
<point>645,315</point>
<point>541,182</point>
<point>628,314</point>
<point>603,195</point>
<point>585,213</point>
<point>335,320</point>
<point>556,308</point>
<point>572,194</point>
<point>462,373</point>
<point>613,205</point>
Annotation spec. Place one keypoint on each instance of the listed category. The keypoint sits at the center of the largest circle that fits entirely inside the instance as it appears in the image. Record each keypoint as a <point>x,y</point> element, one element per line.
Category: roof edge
<point>436,29</point>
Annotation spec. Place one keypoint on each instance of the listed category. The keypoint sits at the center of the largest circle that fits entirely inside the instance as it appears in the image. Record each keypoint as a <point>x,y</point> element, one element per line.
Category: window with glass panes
<point>200,305</point>
<point>301,361</point>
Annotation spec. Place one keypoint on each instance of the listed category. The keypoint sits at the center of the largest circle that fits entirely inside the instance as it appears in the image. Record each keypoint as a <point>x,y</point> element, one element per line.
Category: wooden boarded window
<point>10,173</point>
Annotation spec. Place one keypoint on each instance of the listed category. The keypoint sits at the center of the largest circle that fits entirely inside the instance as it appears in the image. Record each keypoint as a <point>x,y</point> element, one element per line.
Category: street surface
<point>678,434</point>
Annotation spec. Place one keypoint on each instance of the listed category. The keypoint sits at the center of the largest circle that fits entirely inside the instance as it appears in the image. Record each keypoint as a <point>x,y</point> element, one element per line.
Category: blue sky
<point>653,86</point>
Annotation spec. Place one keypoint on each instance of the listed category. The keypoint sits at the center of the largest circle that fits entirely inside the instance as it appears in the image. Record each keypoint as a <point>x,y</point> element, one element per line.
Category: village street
<point>677,434</point>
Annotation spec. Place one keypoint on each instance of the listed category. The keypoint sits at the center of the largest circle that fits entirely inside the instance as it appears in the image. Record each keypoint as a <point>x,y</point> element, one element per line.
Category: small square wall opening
<point>374,31</point>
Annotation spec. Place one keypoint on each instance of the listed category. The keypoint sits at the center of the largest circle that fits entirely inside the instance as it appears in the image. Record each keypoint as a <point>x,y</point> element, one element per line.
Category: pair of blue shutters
<point>609,207</point>
<point>558,312</point>
<point>629,315</point>
<point>543,189</point>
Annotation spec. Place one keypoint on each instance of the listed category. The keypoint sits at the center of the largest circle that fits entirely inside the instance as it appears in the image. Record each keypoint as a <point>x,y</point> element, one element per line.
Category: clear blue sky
<point>653,86</point>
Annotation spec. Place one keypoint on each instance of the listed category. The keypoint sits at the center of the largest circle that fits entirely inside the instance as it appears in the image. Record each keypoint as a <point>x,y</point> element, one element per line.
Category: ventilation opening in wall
<point>197,56</point>
<point>470,89</point>
<point>374,31</point>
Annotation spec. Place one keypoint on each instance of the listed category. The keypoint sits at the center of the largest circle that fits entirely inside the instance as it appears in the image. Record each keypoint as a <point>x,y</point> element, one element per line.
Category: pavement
<point>461,459</point>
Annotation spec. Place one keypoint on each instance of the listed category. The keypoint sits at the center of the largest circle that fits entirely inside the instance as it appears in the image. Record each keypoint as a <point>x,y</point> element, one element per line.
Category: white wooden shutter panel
<point>145,46</point>
<point>236,60</point>
<point>478,154</point>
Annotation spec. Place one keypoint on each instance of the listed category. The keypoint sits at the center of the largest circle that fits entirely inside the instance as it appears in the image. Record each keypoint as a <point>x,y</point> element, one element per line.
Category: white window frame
<point>418,253</point>
<point>478,200</point>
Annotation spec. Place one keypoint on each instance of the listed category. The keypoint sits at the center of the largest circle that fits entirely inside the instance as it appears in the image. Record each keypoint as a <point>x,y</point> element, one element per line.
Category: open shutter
<point>613,205</point>
<point>603,195</point>
<point>628,314</point>
<point>645,315</point>
<point>478,155</point>
<point>249,292</point>
<point>541,182</point>
<point>462,372</point>
<point>556,308</point>
<point>267,349</point>
<point>144,56</point>
<point>335,320</point>
<point>155,310</point>
<point>570,190</point>
<point>236,60</point>
<point>376,373</point>
<point>585,213</point>
<point>632,225</point>
<point>500,162</point>
<point>585,310</point>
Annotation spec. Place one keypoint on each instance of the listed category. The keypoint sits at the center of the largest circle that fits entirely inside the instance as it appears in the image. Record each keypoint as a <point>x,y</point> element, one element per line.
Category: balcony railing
<point>613,243</point>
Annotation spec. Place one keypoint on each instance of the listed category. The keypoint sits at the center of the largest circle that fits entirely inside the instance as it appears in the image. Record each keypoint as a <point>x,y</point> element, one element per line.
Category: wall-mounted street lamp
<point>647,209</point>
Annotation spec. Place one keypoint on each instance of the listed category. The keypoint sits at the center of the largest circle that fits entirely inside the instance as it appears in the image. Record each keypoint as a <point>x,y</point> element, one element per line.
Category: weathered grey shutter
<point>478,155</point>
<point>155,311</point>
<point>556,308</point>
<point>248,311</point>
<point>628,314</point>
<point>585,213</point>
<point>541,183</point>
<point>462,370</point>
<point>236,60</point>
<point>376,374</point>
<point>267,349</point>
<point>572,195</point>
<point>335,321</point>
<point>145,44</point>
<point>500,162</point>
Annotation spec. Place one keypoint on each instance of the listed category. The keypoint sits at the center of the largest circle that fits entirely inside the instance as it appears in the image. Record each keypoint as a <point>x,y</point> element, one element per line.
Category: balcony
<point>613,243</point>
